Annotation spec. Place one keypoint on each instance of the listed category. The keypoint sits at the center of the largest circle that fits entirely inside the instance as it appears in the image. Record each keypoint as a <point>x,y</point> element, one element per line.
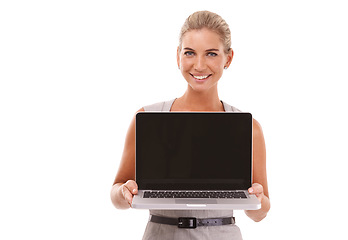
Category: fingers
<point>128,190</point>
<point>132,186</point>
<point>126,194</point>
<point>257,189</point>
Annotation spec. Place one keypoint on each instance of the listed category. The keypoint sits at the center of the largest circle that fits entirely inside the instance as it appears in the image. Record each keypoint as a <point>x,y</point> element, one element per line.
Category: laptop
<point>194,160</point>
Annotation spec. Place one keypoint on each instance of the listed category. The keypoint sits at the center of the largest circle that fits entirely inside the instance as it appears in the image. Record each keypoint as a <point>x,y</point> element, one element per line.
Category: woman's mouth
<point>200,78</point>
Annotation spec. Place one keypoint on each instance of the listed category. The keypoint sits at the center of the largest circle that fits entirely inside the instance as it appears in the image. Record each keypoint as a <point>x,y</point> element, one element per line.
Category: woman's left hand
<point>257,189</point>
<point>258,215</point>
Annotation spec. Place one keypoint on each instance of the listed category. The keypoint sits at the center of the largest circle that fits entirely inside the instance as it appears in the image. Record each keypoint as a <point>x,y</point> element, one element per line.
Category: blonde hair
<point>211,21</point>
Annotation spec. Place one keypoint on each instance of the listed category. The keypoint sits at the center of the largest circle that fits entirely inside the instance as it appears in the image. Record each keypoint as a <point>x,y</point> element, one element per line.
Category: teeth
<point>201,77</point>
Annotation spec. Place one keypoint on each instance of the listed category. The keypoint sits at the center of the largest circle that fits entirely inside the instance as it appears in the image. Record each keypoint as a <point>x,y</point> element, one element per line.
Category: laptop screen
<point>193,151</point>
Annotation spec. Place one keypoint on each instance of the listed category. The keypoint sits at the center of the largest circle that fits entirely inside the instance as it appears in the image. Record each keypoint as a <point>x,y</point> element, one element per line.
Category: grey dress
<point>155,231</point>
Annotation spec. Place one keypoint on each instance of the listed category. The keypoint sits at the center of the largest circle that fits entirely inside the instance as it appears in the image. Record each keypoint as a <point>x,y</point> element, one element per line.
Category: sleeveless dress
<point>156,231</point>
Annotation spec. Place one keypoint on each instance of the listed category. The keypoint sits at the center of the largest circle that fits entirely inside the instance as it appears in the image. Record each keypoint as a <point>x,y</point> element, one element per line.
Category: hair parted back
<point>211,21</point>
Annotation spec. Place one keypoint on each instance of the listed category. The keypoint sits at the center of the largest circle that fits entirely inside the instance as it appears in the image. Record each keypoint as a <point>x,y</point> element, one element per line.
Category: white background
<point>73,73</point>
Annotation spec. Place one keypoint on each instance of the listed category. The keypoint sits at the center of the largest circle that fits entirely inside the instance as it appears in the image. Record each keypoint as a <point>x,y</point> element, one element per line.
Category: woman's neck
<point>198,101</point>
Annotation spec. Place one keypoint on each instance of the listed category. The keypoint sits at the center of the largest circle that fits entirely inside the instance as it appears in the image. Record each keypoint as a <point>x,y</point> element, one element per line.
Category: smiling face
<point>202,59</point>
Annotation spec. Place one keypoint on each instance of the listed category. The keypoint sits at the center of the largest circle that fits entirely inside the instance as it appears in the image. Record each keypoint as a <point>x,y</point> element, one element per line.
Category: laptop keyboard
<point>194,194</point>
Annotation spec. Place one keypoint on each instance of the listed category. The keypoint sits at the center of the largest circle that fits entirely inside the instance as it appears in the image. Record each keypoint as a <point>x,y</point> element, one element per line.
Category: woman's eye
<point>189,53</point>
<point>212,54</point>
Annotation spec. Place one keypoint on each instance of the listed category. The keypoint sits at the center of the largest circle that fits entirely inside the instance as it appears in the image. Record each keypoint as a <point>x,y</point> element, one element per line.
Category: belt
<point>191,222</point>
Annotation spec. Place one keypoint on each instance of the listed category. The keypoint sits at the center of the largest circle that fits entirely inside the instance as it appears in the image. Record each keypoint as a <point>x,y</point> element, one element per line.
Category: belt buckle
<point>187,222</point>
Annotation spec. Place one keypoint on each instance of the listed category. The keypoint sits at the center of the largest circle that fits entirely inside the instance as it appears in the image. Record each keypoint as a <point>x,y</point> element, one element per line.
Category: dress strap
<point>168,105</point>
<point>229,108</point>
<point>160,107</point>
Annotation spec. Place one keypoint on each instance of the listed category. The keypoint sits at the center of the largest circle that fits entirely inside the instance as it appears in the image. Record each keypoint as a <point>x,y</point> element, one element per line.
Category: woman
<point>203,53</point>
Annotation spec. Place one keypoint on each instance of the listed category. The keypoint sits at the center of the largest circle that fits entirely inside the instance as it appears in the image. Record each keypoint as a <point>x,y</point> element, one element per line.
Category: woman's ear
<point>229,58</point>
<point>178,56</point>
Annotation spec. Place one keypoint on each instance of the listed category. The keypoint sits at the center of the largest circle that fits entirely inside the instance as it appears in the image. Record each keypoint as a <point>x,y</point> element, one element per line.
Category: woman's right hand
<point>128,190</point>
<point>122,191</point>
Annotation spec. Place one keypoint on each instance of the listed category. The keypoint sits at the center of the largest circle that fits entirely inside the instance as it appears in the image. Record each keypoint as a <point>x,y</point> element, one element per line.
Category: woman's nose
<point>200,64</point>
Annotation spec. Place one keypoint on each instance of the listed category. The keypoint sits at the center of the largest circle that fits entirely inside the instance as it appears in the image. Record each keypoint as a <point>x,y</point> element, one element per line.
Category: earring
<point>225,68</point>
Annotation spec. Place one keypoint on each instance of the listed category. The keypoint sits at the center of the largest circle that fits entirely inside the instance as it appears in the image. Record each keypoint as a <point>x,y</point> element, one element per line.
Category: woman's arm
<point>260,187</point>
<point>124,186</point>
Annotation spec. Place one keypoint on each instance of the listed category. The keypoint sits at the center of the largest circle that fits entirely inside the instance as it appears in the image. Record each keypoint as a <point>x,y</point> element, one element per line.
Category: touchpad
<point>194,201</point>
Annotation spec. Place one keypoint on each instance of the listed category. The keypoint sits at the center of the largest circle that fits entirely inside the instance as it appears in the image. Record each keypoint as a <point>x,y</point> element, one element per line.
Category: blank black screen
<point>182,151</point>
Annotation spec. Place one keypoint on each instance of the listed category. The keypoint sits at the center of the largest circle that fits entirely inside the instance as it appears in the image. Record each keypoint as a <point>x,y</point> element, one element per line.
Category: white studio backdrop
<point>73,73</point>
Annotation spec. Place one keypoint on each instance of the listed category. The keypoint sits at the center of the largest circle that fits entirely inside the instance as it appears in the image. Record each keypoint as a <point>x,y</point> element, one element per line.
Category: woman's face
<point>202,59</point>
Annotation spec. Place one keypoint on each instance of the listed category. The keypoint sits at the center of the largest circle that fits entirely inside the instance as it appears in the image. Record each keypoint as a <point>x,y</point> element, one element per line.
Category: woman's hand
<point>122,194</point>
<point>257,189</point>
<point>258,215</point>
<point>128,190</point>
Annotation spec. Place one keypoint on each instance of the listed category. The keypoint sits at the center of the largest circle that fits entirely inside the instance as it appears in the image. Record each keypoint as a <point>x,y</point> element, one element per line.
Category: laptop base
<point>250,203</point>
